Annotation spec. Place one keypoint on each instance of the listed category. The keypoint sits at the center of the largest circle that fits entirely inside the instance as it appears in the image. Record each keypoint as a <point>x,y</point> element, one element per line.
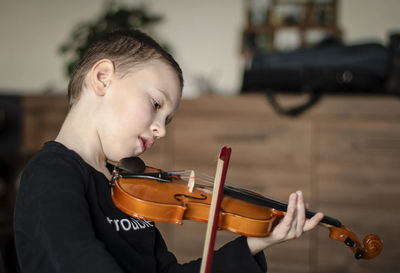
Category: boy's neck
<point>79,134</point>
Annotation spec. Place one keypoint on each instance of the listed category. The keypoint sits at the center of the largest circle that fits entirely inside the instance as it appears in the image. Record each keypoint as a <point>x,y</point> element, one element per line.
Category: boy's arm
<point>234,256</point>
<point>53,226</point>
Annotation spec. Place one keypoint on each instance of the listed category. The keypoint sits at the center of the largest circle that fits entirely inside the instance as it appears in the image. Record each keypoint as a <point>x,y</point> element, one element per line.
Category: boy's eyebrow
<point>164,94</point>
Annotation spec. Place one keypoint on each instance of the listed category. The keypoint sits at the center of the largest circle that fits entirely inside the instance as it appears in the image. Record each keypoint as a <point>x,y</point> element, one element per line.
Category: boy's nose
<point>159,130</point>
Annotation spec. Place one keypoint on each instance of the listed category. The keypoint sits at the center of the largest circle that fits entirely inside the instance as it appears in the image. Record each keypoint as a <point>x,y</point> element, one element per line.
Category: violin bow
<point>219,181</point>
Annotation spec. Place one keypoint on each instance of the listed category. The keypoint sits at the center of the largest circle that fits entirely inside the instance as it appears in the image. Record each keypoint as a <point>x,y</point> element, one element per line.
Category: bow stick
<point>219,181</point>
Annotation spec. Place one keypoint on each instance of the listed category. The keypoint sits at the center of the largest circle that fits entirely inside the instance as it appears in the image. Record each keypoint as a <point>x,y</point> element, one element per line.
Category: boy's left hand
<point>292,226</point>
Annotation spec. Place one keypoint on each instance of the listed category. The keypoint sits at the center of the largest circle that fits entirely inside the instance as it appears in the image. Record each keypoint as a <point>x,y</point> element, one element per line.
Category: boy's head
<point>125,49</point>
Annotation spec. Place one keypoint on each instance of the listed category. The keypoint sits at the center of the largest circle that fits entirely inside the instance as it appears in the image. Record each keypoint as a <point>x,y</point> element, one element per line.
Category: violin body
<point>171,201</point>
<point>151,194</point>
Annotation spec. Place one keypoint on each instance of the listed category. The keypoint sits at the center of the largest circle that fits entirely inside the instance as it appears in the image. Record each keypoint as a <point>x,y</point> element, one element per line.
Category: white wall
<point>31,32</point>
<point>205,36</point>
<point>369,19</point>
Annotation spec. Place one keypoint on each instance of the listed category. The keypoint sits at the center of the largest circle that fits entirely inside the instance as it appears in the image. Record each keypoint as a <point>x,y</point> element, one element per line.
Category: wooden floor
<point>344,154</point>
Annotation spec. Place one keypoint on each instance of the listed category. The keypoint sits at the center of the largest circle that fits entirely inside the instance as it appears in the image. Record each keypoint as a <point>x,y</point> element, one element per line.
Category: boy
<point>122,95</point>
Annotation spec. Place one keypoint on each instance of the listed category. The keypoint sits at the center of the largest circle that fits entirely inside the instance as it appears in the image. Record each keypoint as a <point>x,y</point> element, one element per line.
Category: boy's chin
<point>138,153</point>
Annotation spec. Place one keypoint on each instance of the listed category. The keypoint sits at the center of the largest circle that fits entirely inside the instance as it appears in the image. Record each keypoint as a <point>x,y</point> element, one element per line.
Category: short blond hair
<point>125,49</point>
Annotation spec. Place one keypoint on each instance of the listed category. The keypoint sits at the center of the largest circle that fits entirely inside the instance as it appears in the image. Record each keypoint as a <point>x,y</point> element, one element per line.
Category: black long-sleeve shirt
<point>65,221</point>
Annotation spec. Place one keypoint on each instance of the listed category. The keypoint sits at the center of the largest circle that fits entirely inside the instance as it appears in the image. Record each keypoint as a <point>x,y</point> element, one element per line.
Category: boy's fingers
<point>290,213</point>
<point>311,223</point>
<point>301,217</point>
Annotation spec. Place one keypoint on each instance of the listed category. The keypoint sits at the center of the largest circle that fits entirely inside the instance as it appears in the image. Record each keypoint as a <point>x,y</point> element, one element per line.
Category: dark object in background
<point>10,124</point>
<point>393,81</point>
<point>8,257</point>
<point>329,68</point>
<point>10,146</point>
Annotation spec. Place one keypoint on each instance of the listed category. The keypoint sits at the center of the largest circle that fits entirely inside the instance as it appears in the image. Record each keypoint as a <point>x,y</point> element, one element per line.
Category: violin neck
<point>266,202</point>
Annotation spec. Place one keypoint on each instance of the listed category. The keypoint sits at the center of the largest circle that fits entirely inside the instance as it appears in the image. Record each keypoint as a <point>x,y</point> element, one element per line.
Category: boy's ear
<point>100,76</point>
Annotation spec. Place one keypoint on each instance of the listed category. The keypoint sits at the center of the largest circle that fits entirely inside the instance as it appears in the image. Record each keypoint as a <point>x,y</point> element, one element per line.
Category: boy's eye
<point>156,105</point>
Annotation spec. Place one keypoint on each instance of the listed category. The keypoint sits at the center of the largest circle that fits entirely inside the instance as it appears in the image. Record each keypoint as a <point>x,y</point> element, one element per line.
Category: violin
<point>156,195</point>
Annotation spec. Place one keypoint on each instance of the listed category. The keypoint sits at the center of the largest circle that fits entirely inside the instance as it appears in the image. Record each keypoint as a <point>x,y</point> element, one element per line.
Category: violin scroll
<point>373,245</point>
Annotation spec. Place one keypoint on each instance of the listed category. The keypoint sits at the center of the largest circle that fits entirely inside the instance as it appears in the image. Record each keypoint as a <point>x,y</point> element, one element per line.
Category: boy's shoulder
<point>53,153</point>
<point>55,160</point>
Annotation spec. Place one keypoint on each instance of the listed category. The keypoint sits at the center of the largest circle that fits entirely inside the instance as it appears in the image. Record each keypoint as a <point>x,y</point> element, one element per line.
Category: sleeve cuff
<point>235,256</point>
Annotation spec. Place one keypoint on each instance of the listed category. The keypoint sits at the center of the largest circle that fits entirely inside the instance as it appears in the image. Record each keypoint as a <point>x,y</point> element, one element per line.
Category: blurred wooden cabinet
<point>42,119</point>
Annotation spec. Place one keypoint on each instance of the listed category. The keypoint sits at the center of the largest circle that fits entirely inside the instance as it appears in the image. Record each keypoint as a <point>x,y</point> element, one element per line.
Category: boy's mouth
<point>146,143</point>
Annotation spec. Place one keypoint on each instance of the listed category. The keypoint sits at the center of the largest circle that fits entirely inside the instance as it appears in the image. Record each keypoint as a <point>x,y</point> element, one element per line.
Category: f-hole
<point>178,197</point>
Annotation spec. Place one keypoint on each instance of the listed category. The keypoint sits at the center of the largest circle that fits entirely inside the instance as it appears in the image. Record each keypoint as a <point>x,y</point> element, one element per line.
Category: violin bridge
<point>191,181</point>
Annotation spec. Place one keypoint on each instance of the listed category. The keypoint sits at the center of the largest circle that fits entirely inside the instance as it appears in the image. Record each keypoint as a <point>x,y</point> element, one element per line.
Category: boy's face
<point>136,109</point>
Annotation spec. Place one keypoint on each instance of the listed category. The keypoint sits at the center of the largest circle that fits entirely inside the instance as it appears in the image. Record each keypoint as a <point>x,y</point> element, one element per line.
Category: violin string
<point>200,177</point>
<point>185,175</point>
<point>200,181</point>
